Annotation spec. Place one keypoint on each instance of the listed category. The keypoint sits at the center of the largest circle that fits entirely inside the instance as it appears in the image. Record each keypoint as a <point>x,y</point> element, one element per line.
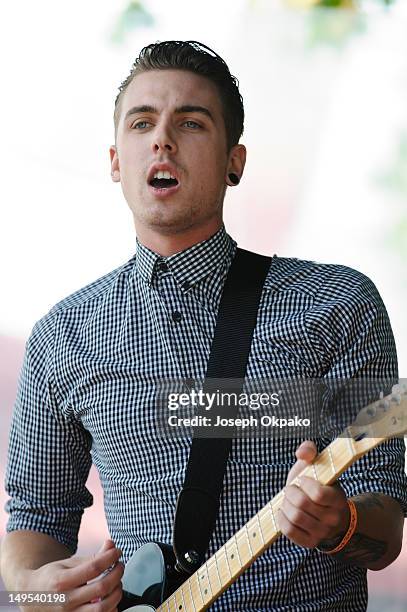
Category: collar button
<point>163,266</point>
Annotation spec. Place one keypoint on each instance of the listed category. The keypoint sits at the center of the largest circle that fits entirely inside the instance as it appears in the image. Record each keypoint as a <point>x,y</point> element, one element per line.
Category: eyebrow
<point>186,108</point>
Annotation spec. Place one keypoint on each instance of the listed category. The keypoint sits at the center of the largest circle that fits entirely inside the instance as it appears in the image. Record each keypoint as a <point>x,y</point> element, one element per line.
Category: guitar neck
<point>203,587</point>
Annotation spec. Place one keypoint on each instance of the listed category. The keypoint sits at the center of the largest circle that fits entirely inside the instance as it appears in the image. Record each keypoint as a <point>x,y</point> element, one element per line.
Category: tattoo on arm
<point>370,500</point>
<point>362,549</point>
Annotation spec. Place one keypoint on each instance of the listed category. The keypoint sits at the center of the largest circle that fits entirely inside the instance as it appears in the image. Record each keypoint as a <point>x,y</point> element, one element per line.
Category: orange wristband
<point>351,529</point>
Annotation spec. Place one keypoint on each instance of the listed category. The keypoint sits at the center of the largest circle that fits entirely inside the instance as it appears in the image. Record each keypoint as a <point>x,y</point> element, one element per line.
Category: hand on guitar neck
<point>316,515</point>
<point>312,512</point>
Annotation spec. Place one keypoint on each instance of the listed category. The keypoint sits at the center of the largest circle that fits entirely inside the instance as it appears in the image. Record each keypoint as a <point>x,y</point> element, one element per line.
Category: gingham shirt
<point>86,393</point>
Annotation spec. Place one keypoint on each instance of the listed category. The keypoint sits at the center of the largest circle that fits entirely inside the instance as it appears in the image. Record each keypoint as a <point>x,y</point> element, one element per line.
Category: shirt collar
<point>188,266</point>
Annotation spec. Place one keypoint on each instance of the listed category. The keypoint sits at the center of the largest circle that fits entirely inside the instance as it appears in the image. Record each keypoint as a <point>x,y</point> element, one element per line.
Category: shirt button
<point>163,266</point>
<point>186,285</point>
<point>176,316</point>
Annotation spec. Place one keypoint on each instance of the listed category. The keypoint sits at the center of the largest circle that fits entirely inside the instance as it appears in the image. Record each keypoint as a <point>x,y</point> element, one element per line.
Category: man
<point>88,380</point>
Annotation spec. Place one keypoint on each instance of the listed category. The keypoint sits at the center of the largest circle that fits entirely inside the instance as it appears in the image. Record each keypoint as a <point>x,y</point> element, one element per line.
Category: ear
<point>114,164</point>
<point>236,163</point>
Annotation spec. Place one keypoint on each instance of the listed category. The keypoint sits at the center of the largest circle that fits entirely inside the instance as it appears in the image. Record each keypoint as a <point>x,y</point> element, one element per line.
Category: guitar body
<point>149,578</point>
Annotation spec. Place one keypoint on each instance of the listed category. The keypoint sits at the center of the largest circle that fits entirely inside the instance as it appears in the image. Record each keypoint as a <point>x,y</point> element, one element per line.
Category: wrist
<point>336,544</point>
<point>343,526</point>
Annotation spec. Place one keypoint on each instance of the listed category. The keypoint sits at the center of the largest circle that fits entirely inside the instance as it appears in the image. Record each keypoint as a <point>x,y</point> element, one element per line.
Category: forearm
<point>378,537</point>
<point>22,551</point>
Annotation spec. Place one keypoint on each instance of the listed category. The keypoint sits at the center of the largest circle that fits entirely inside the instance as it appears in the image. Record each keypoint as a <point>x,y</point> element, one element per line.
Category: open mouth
<point>163,183</point>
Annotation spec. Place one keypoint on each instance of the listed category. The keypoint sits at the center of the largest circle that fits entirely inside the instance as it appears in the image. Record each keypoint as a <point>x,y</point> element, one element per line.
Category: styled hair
<point>200,59</point>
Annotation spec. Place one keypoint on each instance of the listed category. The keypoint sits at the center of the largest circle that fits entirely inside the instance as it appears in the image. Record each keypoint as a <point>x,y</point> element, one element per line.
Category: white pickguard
<point>141,608</point>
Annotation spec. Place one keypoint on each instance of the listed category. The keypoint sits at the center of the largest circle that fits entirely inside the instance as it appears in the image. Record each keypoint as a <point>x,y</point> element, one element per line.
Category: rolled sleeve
<point>49,456</point>
<point>361,347</point>
<point>380,471</point>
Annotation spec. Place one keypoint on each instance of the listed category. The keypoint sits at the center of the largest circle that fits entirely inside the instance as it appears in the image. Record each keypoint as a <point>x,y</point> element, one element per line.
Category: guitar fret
<point>233,551</point>
<point>256,541</point>
<point>178,599</point>
<point>199,586</point>
<point>217,570</point>
<point>272,516</point>
<point>331,460</point>
<point>314,469</point>
<point>208,579</point>
<point>245,552</point>
<point>237,550</point>
<point>227,562</point>
<point>182,597</point>
<point>260,530</point>
<point>190,592</point>
<point>350,442</point>
<point>248,539</point>
<point>202,577</point>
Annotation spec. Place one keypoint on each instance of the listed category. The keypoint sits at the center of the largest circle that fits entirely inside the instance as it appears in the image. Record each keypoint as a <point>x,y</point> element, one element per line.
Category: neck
<point>169,244</point>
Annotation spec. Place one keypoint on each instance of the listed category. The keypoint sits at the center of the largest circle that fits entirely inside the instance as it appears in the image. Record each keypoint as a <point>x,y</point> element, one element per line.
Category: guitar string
<point>190,590</point>
<point>275,502</point>
<point>239,534</point>
<point>331,471</point>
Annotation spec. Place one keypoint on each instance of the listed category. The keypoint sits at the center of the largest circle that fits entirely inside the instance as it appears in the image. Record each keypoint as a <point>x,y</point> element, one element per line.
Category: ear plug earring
<point>234,178</point>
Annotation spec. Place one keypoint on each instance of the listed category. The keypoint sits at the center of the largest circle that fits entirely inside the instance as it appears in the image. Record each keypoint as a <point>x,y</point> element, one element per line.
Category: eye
<point>194,122</point>
<point>135,125</point>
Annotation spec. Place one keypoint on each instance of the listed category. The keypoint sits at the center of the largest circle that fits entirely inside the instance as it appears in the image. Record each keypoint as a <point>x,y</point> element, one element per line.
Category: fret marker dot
<point>254,534</point>
<point>206,591</point>
<point>232,556</point>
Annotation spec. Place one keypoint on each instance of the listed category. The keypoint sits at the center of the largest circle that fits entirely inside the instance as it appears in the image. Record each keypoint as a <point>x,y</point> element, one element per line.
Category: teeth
<point>163,174</point>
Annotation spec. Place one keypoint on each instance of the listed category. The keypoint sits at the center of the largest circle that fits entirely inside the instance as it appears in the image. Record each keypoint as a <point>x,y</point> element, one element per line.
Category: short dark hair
<point>200,59</point>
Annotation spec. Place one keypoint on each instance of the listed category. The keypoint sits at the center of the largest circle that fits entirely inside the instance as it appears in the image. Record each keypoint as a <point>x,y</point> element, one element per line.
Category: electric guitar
<point>150,580</point>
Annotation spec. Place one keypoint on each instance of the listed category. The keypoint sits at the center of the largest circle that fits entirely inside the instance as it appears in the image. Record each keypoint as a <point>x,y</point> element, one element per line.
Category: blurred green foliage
<point>132,17</point>
<point>327,26</point>
<point>333,22</point>
<point>334,28</point>
<point>347,3</point>
<point>335,4</point>
<point>331,3</point>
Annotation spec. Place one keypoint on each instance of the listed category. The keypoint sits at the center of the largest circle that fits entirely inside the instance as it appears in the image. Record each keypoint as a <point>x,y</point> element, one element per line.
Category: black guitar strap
<point>199,499</point>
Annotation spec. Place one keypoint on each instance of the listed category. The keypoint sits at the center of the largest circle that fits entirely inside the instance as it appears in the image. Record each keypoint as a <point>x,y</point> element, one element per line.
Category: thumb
<point>305,453</point>
<point>105,546</point>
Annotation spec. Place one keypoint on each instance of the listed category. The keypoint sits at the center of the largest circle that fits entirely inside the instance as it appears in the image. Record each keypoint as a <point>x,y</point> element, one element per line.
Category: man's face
<point>190,141</point>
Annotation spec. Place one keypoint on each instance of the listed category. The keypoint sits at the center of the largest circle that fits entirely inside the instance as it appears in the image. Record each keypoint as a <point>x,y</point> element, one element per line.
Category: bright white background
<point>323,126</point>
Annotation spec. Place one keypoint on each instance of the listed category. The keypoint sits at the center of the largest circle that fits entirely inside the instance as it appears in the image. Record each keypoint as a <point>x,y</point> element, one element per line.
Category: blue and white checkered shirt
<point>86,393</point>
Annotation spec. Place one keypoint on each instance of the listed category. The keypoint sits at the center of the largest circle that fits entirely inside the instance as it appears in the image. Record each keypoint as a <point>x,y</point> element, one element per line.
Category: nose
<point>162,139</point>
